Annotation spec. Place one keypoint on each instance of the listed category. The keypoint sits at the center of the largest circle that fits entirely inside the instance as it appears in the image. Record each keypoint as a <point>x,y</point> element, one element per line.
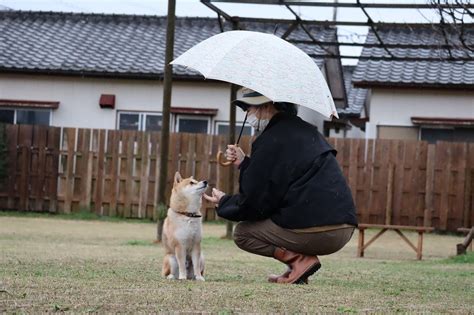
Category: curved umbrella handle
<point>221,159</point>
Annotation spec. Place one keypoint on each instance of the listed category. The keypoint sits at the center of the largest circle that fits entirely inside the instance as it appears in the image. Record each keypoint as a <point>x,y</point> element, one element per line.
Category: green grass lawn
<point>50,264</point>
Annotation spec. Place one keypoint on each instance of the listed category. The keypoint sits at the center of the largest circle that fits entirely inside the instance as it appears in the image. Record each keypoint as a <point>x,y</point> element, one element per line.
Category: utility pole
<point>165,128</point>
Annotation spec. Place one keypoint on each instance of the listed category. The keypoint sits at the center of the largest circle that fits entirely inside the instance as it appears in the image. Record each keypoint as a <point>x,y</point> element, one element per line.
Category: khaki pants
<point>262,237</point>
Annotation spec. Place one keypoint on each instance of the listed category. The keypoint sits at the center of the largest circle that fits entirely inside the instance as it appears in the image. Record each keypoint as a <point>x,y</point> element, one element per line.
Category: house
<point>106,71</point>
<point>419,97</point>
<point>352,119</point>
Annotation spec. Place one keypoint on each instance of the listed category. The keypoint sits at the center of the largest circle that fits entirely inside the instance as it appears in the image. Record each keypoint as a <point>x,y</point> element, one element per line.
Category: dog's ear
<point>177,178</point>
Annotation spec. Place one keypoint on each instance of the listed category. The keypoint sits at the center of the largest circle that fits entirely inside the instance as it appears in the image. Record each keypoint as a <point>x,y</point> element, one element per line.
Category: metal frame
<point>346,5</point>
<point>370,23</point>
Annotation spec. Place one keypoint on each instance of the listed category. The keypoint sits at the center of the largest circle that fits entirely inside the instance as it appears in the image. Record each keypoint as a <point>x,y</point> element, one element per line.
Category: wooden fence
<point>115,172</point>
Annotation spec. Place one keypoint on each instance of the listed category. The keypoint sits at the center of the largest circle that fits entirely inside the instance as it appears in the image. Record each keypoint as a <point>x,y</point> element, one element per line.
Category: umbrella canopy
<point>264,63</point>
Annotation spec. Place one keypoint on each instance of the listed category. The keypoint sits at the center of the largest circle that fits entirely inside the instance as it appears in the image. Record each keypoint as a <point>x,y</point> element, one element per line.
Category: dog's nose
<point>205,182</point>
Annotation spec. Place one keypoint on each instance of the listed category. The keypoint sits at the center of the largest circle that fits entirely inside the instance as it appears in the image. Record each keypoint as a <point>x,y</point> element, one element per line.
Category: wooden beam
<point>407,240</point>
<point>376,236</point>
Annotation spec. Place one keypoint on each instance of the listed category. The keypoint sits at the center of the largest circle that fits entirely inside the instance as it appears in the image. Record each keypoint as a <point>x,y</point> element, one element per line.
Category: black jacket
<point>292,177</point>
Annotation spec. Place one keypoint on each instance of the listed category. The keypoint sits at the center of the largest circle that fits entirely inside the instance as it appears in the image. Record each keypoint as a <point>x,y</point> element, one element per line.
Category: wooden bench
<point>362,246</point>
<point>461,248</point>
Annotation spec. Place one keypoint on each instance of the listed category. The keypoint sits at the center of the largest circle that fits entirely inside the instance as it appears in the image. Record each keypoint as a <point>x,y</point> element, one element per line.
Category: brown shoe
<point>302,266</point>
<point>274,278</point>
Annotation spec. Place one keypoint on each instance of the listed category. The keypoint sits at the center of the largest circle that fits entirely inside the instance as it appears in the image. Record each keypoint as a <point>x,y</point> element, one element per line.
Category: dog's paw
<point>181,277</point>
<point>171,277</point>
<point>200,278</point>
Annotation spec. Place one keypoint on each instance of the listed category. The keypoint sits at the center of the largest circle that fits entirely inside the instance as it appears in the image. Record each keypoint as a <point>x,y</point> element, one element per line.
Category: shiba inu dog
<point>182,231</point>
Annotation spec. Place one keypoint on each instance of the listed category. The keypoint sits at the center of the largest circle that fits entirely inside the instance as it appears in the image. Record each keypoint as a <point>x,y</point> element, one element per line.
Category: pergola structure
<point>453,18</point>
<point>444,9</point>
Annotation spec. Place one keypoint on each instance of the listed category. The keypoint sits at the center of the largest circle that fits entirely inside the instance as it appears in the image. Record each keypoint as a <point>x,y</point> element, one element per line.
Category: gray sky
<point>195,8</point>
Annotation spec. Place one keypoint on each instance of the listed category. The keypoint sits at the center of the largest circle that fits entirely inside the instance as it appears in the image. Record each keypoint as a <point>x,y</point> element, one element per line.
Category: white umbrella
<point>264,63</point>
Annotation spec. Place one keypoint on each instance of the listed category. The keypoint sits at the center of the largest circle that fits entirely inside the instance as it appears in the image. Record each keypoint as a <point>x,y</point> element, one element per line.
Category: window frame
<point>15,113</point>
<point>141,118</point>
<point>193,117</point>
<point>227,123</point>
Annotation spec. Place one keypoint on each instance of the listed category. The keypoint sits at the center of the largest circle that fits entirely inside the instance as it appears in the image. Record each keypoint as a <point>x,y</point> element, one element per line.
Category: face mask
<point>258,124</point>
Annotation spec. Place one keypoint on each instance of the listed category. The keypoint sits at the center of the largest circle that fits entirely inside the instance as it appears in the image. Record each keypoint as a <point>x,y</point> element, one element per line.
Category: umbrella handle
<point>221,159</point>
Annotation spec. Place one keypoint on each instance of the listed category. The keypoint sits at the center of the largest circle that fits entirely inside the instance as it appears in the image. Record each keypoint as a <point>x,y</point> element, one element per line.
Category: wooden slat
<point>12,146</point>
<point>142,205</point>
<point>190,154</point>
<point>83,168</point>
<point>429,191</point>
<point>445,160</point>
<point>379,184</point>
<point>122,171</point>
<point>54,143</point>
<point>128,168</point>
<point>213,173</point>
<point>98,194</point>
<point>69,141</point>
<point>154,174</point>
<point>408,211</point>
<point>24,140</point>
<point>34,169</point>
<point>457,185</point>
<point>113,143</point>
<point>369,180</point>
<point>353,166</point>
<point>419,182</point>
<point>41,141</point>
<point>389,205</point>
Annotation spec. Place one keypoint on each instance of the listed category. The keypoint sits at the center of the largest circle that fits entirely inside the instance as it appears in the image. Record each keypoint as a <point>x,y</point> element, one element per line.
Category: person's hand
<point>216,196</point>
<point>235,154</point>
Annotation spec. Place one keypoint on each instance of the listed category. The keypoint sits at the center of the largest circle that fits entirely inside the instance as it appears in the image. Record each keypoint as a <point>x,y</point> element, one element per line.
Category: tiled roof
<point>356,97</point>
<point>417,73</point>
<point>119,45</point>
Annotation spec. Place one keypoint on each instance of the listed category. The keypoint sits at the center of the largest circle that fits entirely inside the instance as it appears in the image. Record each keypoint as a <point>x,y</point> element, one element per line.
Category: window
<point>128,121</point>
<point>222,128</point>
<point>25,116</point>
<point>432,135</point>
<point>193,124</point>
<point>32,117</point>
<point>397,132</point>
<point>153,122</point>
<point>7,116</point>
<point>139,121</point>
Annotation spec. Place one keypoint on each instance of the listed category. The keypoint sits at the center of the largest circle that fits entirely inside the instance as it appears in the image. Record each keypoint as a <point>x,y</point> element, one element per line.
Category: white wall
<point>79,97</point>
<point>395,107</point>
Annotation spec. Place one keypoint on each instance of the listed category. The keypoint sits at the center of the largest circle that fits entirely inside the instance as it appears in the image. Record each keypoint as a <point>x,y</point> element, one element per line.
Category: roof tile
<point>111,43</point>
<point>434,73</point>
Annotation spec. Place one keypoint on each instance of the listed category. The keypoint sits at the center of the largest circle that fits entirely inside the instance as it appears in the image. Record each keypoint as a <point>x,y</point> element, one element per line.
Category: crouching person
<point>293,203</point>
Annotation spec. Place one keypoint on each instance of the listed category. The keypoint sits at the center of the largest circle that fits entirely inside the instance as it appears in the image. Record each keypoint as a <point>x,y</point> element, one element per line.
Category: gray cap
<point>250,98</point>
